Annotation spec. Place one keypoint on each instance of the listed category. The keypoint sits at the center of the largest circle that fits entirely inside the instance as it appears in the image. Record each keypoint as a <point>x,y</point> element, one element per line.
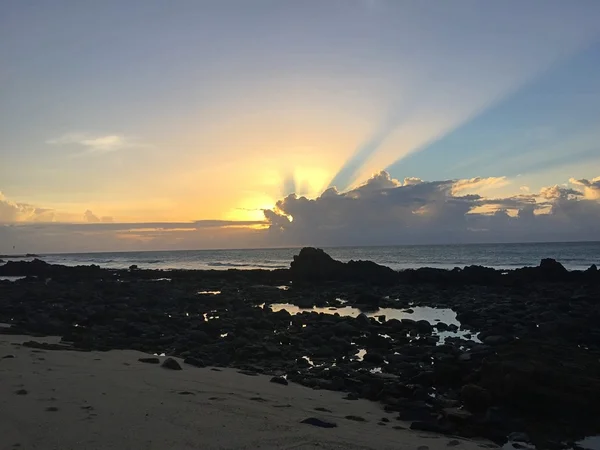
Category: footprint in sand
<point>258,399</point>
<point>316,422</point>
<point>357,419</point>
<point>323,409</point>
<point>22,392</point>
<point>51,409</point>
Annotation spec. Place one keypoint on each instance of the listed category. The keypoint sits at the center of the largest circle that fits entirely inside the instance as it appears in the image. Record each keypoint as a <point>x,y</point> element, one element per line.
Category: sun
<point>251,208</point>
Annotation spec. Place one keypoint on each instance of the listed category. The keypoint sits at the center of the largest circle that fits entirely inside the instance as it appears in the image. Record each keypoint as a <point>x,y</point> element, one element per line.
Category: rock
<point>316,422</point>
<point>196,362</point>
<point>475,398</point>
<point>552,269</point>
<point>279,380</point>
<point>8,356</point>
<point>453,443</point>
<point>344,328</point>
<point>172,364</point>
<point>518,437</point>
<point>351,396</point>
<point>495,340</point>
<point>314,265</point>
<point>149,360</point>
<point>424,327</point>
<point>457,414</point>
<point>363,320</point>
<point>374,358</point>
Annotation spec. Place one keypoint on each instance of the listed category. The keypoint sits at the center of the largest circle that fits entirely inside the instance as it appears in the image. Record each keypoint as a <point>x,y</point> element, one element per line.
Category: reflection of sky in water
<point>590,442</point>
<point>10,278</point>
<point>431,315</point>
<point>419,313</point>
<point>208,292</point>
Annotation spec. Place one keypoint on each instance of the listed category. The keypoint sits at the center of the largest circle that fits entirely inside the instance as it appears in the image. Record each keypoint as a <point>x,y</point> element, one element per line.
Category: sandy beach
<point>98,400</point>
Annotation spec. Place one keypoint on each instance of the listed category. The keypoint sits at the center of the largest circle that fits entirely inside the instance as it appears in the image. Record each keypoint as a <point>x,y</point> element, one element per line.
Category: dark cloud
<point>386,211</point>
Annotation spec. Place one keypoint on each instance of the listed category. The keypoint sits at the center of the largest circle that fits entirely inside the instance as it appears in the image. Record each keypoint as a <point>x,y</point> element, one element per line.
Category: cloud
<point>95,144</point>
<point>386,211</point>
<point>90,217</point>
<point>11,212</point>
<point>591,189</point>
<point>382,211</point>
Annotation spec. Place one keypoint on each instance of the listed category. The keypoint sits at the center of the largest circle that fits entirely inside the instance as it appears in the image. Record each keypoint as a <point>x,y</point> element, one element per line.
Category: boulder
<point>552,269</point>
<point>475,398</point>
<point>171,364</point>
<point>279,380</point>
<point>314,265</point>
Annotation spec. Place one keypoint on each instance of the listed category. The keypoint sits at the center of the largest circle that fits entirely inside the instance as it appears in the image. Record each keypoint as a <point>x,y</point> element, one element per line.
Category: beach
<point>97,400</point>
<point>501,356</point>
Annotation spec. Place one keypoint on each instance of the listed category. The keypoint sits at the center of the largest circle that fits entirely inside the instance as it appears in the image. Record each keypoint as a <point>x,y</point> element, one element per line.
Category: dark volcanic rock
<point>314,265</point>
<point>552,269</point>
<point>170,363</point>
<point>279,380</point>
<point>475,397</point>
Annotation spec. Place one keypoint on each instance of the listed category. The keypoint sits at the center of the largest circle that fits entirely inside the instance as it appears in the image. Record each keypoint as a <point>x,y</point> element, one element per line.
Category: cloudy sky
<point>145,124</point>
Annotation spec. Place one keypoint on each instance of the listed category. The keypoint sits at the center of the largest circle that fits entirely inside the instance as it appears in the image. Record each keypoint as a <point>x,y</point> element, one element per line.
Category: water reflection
<point>10,278</point>
<point>427,313</point>
<point>431,315</point>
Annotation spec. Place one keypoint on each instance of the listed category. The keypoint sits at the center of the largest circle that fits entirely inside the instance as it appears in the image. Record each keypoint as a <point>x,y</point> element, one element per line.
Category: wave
<point>260,266</point>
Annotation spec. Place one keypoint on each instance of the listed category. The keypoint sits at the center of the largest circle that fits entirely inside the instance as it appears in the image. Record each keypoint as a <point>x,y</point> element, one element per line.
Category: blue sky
<point>152,111</point>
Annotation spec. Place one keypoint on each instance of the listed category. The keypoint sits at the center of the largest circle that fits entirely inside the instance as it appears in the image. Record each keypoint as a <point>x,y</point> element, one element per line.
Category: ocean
<point>574,256</point>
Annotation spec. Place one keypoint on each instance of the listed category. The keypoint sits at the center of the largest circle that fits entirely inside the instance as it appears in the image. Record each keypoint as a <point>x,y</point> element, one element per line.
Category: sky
<point>153,125</point>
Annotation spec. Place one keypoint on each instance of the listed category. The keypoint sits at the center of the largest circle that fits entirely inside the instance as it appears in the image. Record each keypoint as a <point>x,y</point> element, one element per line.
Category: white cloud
<point>95,144</point>
<point>11,212</point>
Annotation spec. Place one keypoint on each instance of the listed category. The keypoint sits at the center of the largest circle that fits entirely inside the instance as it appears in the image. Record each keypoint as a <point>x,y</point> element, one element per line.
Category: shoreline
<point>534,367</point>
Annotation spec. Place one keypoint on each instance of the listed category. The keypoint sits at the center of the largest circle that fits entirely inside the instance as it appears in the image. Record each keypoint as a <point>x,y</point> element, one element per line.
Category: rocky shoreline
<point>526,364</point>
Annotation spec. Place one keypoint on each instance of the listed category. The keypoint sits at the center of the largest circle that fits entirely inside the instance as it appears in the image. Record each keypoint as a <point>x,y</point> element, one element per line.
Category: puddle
<point>419,312</point>
<point>160,279</point>
<point>208,292</point>
<point>590,443</point>
<point>224,335</point>
<point>361,354</point>
<point>283,288</point>
<point>10,278</point>
<point>211,315</point>
<point>431,315</point>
